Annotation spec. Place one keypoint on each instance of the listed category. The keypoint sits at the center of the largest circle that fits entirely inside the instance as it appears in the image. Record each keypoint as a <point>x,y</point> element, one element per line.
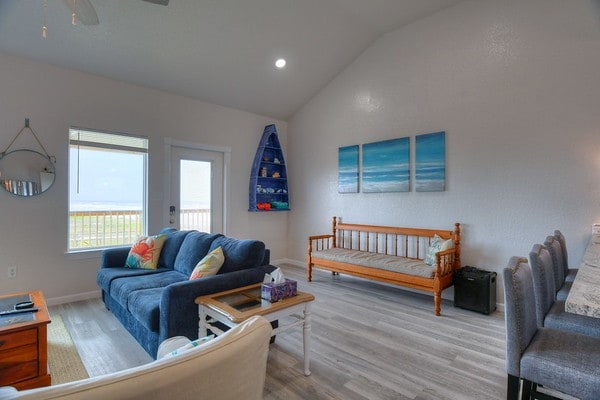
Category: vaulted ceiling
<point>219,51</point>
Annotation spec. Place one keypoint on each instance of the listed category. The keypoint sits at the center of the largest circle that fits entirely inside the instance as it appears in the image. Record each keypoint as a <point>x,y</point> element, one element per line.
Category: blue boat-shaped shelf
<point>268,179</point>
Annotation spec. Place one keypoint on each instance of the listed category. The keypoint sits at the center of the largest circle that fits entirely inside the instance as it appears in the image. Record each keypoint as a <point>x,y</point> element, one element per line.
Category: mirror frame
<point>50,169</point>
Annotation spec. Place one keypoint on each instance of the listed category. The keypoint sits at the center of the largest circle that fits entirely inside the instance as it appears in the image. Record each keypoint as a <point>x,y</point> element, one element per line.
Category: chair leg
<point>512,388</point>
<point>526,389</point>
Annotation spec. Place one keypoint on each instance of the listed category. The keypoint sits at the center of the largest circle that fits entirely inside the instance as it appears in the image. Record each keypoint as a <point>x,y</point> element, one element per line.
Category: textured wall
<point>516,86</point>
<point>33,231</point>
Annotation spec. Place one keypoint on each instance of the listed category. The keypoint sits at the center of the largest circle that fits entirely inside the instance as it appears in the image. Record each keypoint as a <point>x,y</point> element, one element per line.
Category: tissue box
<point>274,292</point>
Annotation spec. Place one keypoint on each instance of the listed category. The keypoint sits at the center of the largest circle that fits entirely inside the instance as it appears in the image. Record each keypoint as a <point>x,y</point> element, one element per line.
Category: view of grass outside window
<point>107,189</point>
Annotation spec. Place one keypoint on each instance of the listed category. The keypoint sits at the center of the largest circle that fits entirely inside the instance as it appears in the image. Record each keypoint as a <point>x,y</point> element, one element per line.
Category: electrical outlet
<point>12,271</point>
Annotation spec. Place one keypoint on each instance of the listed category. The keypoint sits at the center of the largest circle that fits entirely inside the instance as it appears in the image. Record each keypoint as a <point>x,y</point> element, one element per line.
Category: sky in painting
<point>430,162</point>
<point>386,166</point>
<point>348,169</point>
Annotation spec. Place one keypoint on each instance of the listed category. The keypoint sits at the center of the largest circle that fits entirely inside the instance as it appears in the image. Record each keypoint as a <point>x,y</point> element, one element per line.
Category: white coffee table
<point>235,306</point>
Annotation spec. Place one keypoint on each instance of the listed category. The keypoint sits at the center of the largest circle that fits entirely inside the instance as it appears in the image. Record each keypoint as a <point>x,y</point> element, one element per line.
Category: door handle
<point>171,214</point>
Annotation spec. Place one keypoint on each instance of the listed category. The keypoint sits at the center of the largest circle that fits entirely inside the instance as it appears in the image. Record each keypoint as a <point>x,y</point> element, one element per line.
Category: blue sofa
<point>154,305</point>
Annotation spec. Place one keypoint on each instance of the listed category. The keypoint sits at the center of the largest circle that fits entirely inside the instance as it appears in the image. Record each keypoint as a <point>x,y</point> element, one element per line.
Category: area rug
<point>64,362</point>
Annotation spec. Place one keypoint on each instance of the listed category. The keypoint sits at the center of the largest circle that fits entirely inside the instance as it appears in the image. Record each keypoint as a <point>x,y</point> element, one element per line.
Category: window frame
<point>105,146</point>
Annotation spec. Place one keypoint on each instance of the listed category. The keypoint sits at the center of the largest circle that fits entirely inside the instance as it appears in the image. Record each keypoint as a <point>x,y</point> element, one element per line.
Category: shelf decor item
<point>268,190</point>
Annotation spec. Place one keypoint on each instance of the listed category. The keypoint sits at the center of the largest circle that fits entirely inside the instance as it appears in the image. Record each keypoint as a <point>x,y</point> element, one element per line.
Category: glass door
<point>196,190</point>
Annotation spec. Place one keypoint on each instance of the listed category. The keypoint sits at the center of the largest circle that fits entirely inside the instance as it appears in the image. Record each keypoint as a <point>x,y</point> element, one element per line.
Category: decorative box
<point>274,292</point>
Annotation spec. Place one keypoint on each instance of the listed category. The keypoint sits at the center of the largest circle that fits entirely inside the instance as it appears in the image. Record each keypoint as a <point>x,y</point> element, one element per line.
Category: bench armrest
<point>444,261</point>
<point>320,242</point>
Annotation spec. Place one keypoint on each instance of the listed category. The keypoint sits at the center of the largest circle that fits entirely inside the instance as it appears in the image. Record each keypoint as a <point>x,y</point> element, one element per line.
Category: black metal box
<point>475,290</point>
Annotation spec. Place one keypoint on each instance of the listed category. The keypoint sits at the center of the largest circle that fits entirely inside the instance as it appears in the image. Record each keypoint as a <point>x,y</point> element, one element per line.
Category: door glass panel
<point>195,195</point>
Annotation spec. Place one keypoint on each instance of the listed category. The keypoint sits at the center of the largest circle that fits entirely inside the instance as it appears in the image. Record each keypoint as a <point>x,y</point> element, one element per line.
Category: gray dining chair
<point>570,273</point>
<point>550,312</point>
<point>562,288</point>
<point>565,361</point>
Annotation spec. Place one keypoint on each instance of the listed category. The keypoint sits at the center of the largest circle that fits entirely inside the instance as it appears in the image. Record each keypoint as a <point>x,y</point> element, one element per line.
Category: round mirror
<point>26,172</point>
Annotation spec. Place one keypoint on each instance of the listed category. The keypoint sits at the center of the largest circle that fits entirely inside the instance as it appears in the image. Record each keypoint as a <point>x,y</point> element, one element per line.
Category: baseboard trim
<point>54,301</point>
<point>290,261</point>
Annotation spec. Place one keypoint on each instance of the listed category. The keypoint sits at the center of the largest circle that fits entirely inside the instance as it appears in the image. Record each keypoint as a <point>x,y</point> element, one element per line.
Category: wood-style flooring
<point>369,341</point>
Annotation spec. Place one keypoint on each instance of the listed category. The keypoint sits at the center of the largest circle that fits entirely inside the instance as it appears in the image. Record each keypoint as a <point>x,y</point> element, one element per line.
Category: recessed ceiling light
<point>280,63</point>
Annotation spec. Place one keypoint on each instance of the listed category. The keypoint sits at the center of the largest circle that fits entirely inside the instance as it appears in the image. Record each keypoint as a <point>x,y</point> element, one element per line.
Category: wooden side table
<point>24,348</point>
<point>235,306</point>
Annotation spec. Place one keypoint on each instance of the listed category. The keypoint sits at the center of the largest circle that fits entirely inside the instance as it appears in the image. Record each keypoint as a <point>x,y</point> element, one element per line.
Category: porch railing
<point>89,229</point>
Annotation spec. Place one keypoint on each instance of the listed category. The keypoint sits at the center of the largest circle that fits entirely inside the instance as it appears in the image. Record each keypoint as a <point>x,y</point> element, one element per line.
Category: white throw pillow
<point>437,244</point>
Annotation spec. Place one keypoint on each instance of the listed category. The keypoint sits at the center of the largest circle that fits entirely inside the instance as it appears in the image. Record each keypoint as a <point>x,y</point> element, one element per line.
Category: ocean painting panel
<point>430,162</point>
<point>348,169</point>
<point>386,166</point>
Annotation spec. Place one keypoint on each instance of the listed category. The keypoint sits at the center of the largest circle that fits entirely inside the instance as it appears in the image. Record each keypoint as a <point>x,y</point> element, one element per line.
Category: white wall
<point>33,231</point>
<point>516,86</point>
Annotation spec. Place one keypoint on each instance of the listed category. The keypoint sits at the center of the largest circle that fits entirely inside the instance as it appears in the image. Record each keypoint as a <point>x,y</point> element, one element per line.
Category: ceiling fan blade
<point>86,14</point>
<point>161,2</point>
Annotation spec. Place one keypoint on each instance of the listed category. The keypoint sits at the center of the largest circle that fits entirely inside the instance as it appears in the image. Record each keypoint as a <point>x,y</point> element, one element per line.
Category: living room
<point>512,83</point>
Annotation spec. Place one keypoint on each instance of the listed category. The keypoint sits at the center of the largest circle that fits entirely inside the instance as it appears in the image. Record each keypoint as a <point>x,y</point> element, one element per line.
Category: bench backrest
<point>391,240</point>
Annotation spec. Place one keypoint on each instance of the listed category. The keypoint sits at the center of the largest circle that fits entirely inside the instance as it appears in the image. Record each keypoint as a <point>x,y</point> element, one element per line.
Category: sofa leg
<point>309,272</point>
<point>526,390</point>
<point>512,388</point>
<point>437,302</point>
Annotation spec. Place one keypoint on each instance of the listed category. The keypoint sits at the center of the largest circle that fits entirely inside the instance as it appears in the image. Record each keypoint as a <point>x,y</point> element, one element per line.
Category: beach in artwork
<point>430,162</point>
<point>348,169</point>
<point>386,166</point>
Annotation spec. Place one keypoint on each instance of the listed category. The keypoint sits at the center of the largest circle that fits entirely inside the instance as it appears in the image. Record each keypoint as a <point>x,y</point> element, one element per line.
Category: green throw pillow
<point>209,265</point>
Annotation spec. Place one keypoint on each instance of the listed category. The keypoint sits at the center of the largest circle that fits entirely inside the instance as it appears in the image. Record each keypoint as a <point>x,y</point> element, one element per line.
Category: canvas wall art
<point>348,169</point>
<point>430,162</point>
<point>386,166</point>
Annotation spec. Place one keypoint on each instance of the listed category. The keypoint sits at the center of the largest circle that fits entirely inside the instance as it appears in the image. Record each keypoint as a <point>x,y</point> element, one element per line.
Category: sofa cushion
<point>121,288</point>
<point>194,247</point>
<point>408,266</point>
<point>144,305</point>
<point>105,276</point>
<point>171,247</point>
<point>239,254</point>
<point>209,265</point>
<point>145,251</point>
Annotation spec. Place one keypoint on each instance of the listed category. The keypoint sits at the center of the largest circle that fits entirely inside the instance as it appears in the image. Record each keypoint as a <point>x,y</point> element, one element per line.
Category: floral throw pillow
<point>437,244</point>
<point>145,251</point>
<point>209,265</point>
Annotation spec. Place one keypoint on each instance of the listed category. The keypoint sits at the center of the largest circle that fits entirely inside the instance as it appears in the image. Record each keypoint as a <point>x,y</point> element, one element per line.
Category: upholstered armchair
<point>565,361</point>
<point>549,311</point>
<point>230,367</point>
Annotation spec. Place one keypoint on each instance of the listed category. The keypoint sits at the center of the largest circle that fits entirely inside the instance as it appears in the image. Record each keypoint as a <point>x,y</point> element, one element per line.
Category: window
<point>107,189</point>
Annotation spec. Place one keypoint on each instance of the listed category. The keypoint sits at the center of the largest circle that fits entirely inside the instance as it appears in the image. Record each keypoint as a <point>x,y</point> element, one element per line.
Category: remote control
<point>24,310</point>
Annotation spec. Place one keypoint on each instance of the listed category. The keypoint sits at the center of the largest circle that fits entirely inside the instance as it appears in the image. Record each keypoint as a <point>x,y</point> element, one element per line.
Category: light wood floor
<point>369,341</point>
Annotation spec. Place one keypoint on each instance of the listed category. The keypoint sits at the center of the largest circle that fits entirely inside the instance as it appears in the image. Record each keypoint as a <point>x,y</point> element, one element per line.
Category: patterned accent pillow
<point>437,244</point>
<point>145,251</point>
<point>209,265</point>
<point>189,346</point>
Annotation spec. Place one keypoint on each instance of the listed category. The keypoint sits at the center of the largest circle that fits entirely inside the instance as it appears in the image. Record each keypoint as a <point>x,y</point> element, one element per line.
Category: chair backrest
<point>563,243</point>
<point>232,366</point>
<point>543,281</point>
<point>555,249</point>
<point>519,311</point>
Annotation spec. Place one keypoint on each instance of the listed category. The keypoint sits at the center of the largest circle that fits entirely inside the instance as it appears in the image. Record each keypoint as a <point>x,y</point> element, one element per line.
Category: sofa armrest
<point>114,257</point>
<point>179,312</point>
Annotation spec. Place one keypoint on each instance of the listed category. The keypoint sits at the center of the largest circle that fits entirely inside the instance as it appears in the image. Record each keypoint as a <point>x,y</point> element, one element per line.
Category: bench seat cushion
<point>407,266</point>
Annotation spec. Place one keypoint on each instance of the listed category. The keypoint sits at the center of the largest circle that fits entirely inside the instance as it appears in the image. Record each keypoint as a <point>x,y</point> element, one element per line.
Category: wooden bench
<point>387,254</point>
